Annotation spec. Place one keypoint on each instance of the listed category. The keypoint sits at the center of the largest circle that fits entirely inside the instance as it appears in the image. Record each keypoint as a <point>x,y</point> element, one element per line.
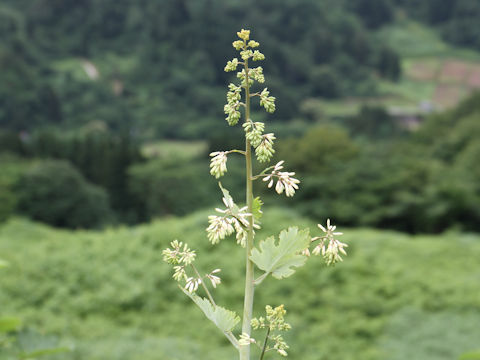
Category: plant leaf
<point>280,259</point>
<point>224,319</point>
<point>257,208</point>
<point>3,264</point>
<point>226,194</point>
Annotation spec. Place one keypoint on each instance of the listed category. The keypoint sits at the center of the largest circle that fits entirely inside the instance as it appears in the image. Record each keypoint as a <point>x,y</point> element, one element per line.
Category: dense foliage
<point>108,295</point>
<point>55,193</point>
<point>156,66</point>
<point>110,76</point>
<point>426,182</point>
<point>456,19</point>
<point>365,170</point>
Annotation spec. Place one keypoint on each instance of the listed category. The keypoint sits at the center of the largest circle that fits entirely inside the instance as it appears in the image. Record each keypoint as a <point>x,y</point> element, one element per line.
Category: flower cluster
<point>274,321</point>
<point>268,102</point>
<point>231,108</point>
<point>285,181</point>
<point>257,74</point>
<point>178,254</point>
<point>243,34</point>
<point>181,256</point>
<point>245,340</point>
<point>280,345</point>
<point>264,151</point>
<point>231,219</point>
<point>214,279</point>
<point>254,132</point>
<point>263,143</point>
<point>192,284</point>
<point>329,247</point>
<point>218,163</point>
<point>231,65</point>
<point>257,55</point>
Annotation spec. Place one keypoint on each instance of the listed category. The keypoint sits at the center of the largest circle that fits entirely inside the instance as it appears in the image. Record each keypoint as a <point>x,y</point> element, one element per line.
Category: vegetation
<point>55,193</point>
<point>102,105</point>
<point>423,182</point>
<point>110,295</point>
<point>279,259</point>
<point>125,66</point>
<point>363,170</point>
<point>107,108</point>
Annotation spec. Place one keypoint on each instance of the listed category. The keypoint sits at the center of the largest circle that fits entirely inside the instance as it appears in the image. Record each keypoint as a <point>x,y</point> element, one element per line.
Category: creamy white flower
<point>218,163</point>
<point>232,219</point>
<point>245,340</point>
<point>306,252</point>
<point>219,228</point>
<point>192,284</point>
<point>178,255</point>
<point>241,233</point>
<point>285,180</point>
<point>264,151</point>
<point>282,352</point>
<point>215,280</point>
<point>279,166</point>
<point>179,273</point>
<point>331,250</point>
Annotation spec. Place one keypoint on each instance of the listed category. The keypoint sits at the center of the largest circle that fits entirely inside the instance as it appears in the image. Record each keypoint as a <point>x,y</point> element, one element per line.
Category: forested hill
<point>157,66</point>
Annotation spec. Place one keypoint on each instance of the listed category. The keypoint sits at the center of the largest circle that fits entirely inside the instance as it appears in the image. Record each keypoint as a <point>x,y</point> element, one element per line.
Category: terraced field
<point>436,76</point>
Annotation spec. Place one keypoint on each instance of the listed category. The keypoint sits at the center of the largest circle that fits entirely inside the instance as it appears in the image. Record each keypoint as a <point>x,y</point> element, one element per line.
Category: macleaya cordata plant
<point>269,256</point>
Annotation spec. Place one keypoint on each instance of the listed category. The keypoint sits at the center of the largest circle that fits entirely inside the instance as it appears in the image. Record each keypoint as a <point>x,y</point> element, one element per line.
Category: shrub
<point>56,193</point>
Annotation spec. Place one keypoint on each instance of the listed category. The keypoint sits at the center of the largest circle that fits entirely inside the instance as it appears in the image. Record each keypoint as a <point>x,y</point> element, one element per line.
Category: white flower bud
<point>218,163</point>
<point>231,65</point>
<point>192,284</point>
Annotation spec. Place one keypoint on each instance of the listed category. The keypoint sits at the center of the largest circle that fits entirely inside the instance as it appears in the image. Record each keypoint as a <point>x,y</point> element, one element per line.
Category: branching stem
<point>237,151</point>
<point>210,297</point>
<point>265,343</point>
<point>249,271</point>
<point>259,280</point>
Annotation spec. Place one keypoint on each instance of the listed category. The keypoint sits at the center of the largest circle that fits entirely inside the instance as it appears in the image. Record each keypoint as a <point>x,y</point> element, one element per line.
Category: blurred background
<point>109,109</point>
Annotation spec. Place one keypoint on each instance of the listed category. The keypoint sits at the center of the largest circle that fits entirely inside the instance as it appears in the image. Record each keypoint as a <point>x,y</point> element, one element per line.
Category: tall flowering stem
<point>249,272</point>
<point>269,256</point>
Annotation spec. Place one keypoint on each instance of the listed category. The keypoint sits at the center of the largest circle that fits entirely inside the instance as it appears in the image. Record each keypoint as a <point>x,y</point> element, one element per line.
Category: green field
<point>108,295</point>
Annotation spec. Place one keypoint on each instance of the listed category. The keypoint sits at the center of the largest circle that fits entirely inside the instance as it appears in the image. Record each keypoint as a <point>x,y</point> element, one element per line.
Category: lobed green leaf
<point>279,260</point>
<point>257,208</point>
<point>224,319</point>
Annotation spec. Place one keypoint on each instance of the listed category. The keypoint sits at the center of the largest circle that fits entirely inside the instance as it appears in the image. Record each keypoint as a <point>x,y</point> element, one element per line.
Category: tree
<point>56,193</point>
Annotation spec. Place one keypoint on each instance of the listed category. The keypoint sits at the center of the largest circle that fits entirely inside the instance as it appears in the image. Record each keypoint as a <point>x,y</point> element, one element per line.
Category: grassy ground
<point>110,296</point>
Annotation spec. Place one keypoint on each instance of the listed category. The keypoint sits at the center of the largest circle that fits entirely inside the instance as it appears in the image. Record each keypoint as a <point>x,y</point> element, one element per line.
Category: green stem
<point>259,280</point>
<point>210,297</point>
<point>237,151</point>
<point>265,343</point>
<point>249,272</point>
<point>232,339</point>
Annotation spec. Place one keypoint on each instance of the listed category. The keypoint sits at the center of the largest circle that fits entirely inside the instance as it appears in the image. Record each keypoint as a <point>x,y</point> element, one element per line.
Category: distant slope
<point>110,294</point>
<point>157,66</point>
<point>435,74</point>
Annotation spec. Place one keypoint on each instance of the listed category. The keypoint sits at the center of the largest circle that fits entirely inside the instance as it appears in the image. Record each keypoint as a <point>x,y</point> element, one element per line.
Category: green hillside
<point>109,295</point>
<point>436,75</point>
